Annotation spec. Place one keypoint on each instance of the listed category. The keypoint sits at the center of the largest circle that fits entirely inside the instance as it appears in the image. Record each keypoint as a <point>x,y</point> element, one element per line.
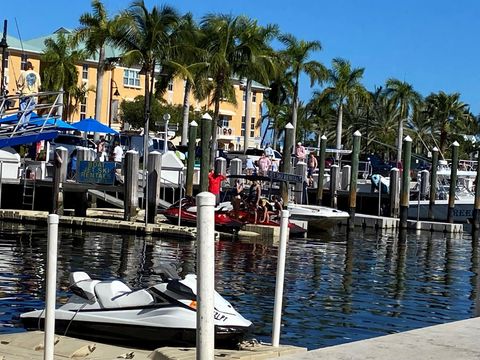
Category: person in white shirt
<point>117,152</point>
<point>269,151</point>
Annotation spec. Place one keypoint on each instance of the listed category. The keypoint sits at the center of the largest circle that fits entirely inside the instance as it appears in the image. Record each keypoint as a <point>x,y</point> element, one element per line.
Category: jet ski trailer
<point>163,314</point>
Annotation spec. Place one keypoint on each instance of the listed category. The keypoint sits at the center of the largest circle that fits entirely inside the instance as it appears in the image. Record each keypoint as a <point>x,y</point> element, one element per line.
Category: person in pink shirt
<point>300,152</point>
<point>264,164</point>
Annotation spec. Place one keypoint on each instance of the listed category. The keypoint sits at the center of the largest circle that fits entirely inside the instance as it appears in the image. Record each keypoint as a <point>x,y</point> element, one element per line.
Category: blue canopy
<point>57,123</point>
<point>93,125</point>
<point>12,119</point>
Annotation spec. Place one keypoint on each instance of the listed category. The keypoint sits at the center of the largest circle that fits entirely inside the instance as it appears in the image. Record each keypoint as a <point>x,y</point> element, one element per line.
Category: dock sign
<point>96,172</point>
<point>280,176</point>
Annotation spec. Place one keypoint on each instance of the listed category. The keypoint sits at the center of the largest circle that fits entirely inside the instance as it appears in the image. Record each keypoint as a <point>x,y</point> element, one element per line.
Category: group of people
<point>116,154</point>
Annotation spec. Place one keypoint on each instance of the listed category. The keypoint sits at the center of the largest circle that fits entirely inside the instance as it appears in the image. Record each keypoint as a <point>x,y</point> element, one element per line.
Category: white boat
<point>318,217</point>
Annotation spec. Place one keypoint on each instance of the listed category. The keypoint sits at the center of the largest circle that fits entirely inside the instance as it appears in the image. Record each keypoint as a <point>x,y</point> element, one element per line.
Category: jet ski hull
<point>148,337</point>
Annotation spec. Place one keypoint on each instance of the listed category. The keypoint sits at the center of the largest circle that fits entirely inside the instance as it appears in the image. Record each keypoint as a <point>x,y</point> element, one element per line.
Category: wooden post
<point>453,182</point>
<point>300,169</point>
<point>353,178</point>
<point>321,169</point>
<point>154,175</point>
<point>405,190</point>
<point>345,176</point>
<point>59,177</point>
<point>394,192</point>
<point>476,206</point>
<point>130,202</point>
<point>334,172</point>
<point>433,182</point>
<point>287,160</point>
<point>205,160</point>
<point>192,138</point>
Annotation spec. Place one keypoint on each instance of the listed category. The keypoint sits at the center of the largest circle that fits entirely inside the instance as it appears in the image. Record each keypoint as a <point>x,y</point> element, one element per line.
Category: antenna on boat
<point>23,51</point>
<point>4,46</point>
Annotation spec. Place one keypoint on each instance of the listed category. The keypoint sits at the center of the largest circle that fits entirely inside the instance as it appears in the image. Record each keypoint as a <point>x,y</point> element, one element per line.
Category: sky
<point>432,44</point>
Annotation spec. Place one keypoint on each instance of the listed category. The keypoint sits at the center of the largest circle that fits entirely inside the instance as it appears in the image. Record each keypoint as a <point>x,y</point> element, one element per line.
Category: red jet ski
<point>188,216</point>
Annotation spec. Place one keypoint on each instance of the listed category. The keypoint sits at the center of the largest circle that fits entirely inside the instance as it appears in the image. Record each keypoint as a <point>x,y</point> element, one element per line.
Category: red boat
<point>225,220</point>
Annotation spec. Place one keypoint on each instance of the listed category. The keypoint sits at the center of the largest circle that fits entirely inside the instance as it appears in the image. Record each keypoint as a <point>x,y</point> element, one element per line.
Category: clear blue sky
<point>432,44</point>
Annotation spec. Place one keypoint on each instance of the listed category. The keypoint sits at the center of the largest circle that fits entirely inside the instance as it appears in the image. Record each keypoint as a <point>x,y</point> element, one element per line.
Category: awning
<point>227,112</point>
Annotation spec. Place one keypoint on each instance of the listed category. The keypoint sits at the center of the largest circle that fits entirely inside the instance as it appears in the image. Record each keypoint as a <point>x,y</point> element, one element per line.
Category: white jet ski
<point>161,314</point>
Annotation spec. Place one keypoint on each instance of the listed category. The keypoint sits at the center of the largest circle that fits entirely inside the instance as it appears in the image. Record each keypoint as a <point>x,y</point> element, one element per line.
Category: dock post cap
<point>407,138</point>
<point>53,219</point>
<point>206,198</point>
<point>289,126</point>
<point>132,151</point>
<point>193,123</point>
<point>206,116</point>
<point>323,137</point>
<point>357,133</point>
<point>435,149</point>
<point>455,143</point>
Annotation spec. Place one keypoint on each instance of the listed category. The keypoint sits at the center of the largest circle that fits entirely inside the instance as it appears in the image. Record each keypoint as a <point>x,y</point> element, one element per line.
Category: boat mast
<point>4,46</point>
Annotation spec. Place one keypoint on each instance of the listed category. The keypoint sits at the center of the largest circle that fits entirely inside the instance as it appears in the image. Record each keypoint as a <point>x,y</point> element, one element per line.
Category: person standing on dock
<point>214,184</point>
<point>101,147</point>
<point>300,152</point>
<point>28,83</point>
<point>117,153</point>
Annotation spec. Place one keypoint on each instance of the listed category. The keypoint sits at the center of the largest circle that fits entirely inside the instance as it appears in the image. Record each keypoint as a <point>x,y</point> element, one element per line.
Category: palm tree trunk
<point>400,135</point>
<point>295,110</point>
<point>338,143</point>
<point>186,108</point>
<point>99,89</point>
<point>246,135</point>
<point>213,147</point>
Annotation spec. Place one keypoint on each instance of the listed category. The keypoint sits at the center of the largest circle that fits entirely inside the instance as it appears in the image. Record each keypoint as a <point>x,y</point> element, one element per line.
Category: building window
<point>243,126</point>
<point>224,121</point>
<point>83,109</point>
<point>170,85</point>
<point>5,61</point>
<point>252,128</point>
<point>23,62</point>
<point>254,96</point>
<point>244,96</point>
<point>85,72</point>
<point>131,77</point>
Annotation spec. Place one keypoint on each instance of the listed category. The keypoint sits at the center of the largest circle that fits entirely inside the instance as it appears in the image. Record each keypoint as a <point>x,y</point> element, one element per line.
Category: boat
<point>162,314</point>
<point>225,219</point>
<point>318,217</point>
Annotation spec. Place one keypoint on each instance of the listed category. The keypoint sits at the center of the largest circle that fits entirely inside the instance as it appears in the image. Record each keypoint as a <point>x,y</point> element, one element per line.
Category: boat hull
<point>462,212</point>
<point>318,217</point>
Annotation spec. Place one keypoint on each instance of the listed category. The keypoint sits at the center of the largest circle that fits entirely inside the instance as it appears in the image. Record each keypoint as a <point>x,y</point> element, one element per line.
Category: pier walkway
<point>456,340</point>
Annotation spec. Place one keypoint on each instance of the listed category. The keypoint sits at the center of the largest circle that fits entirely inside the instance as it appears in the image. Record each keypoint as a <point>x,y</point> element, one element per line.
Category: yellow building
<point>124,84</point>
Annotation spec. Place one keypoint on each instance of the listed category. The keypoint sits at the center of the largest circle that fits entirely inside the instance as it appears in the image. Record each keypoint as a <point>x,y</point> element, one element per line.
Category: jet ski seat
<point>116,294</point>
<point>82,285</point>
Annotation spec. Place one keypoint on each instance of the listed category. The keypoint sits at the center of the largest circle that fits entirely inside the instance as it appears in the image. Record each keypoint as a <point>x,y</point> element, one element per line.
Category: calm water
<point>337,289</point>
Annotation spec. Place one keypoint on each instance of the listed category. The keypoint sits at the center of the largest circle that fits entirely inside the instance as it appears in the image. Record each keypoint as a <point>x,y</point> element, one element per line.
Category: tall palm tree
<point>446,112</point>
<point>96,30</point>
<point>297,54</point>
<point>144,36</point>
<point>59,66</point>
<point>221,41</point>
<point>187,61</point>
<point>344,82</point>
<point>256,61</point>
<point>403,94</point>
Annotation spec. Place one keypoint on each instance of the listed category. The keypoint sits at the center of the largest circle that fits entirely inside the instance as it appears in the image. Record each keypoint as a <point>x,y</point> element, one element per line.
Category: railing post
<point>51,297</point>
<point>205,276</point>
<point>282,251</point>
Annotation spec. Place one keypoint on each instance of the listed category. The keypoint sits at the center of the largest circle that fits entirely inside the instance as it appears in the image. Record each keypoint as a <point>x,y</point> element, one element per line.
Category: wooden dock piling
<point>453,182</point>
<point>405,190</point>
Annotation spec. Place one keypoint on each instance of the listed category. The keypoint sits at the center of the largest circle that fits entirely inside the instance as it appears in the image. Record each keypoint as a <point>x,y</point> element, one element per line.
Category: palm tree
<point>144,36</point>
<point>405,97</point>
<point>297,54</point>
<point>344,82</point>
<point>221,40</point>
<point>446,113</point>
<point>256,61</point>
<point>59,66</point>
<point>187,61</point>
<point>96,30</point>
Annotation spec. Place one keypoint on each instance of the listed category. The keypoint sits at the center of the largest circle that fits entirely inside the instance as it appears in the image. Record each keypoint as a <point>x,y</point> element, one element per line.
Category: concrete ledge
<point>268,235</point>
<point>114,225</point>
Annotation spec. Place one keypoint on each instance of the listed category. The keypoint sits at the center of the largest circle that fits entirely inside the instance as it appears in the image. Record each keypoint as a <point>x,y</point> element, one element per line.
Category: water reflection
<point>338,288</point>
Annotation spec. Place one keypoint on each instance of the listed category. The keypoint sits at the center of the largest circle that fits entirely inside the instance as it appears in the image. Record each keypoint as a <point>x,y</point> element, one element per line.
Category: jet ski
<point>187,211</point>
<point>162,314</point>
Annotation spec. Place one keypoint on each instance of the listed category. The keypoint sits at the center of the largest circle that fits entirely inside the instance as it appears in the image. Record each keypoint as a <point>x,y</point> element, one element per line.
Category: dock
<point>111,222</point>
<point>456,340</point>
<point>29,345</point>
<point>386,223</point>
